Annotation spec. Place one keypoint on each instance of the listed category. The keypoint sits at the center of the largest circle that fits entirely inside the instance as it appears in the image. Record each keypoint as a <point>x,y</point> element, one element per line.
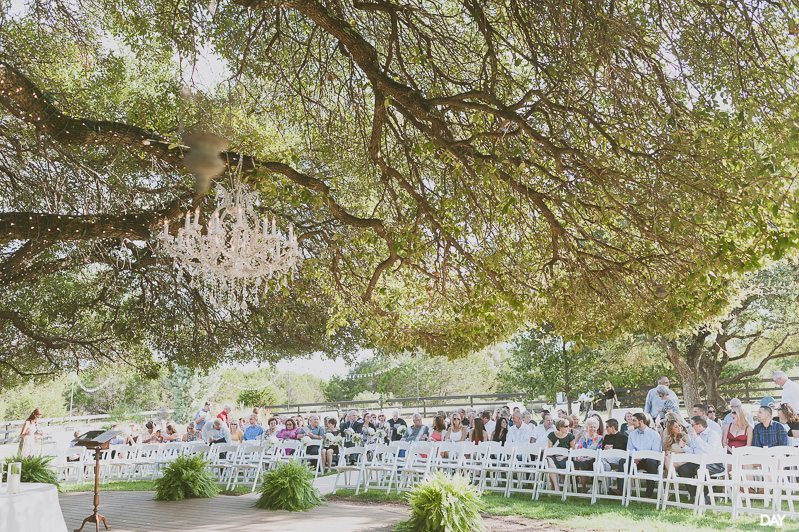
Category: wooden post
<point>96,517</point>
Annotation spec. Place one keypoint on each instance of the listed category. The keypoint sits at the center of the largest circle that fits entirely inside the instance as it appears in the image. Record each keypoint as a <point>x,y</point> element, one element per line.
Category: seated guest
<point>236,435</point>
<point>614,439</point>
<point>272,428</point>
<point>501,430</point>
<point>488,423</point>
<point>330,451</point>
<point>518,432</point>
<point>560,437</point>
<point>457,432</point>
<point>465,419</point>
<point>119,439</point>
<point>417,431</point>
<point>627,426</point>
<point>218,433</point>
<point>478,433</point>
<point>701,410</point>
<point>381,422</point>
<point>394,421</point>
<point>291,431</point>
<point>789,420</point>
<point>644,438</point>
<point>767,433</point>
<point>576,427</point>
<point>439,428</point>
<point>151,435</point>
<point>253,430</point>
<point>675,440</point>
<point>667,404</point>
<point>527,419</point>
<point>316,432</point>
<point>701,440</point>
<point>171,434</point>
<point>739,432</point>
<point>367,423</point>
<point>591,440</point>
<point>601,428</point>
<point>191,433</point>
<point>350,421</point>
<point>541,432</point>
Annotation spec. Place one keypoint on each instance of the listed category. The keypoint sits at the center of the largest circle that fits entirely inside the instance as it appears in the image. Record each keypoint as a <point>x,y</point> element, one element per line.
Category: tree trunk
<point>688,376</point>
<point>711,378</point>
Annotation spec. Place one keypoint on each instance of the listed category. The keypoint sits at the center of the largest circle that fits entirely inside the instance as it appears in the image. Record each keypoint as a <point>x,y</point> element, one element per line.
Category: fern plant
<point>444,503</point>
<point>289,486</point>
<point>34,469</point>
<point>185,477</point>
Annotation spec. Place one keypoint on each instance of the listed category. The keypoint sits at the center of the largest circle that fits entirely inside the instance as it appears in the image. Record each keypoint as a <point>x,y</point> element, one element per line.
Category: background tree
<point>455,170</point>
<point>760,328</point>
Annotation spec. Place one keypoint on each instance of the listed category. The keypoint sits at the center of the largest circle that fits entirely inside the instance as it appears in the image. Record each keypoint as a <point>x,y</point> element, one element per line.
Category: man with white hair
<point>790,389</point>
<point>417,431</point>
<point>655,403</point>
<point>394,422</point>
<point>518,432</point>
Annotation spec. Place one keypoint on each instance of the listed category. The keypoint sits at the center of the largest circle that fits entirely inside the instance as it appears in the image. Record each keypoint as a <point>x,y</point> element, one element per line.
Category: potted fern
<point>185,477</point>
<point>444,503</point>
<point>289,486</point>
<point>34,469</point>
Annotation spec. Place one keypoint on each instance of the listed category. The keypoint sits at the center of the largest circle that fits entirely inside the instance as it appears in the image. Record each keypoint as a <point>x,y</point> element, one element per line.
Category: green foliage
<point>18,402</point>
<point>185,477</point>
<point>188,388</point>
<point>34,469</point>
<point>543,363</point>
<point>444,503</point>
<point>289,486</point>
<point>267,395</point>
<point>128,388</point>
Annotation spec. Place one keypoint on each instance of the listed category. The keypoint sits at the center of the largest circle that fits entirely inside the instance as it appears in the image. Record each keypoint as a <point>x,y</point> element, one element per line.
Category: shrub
<point>185,477</point>
<point>34,469</point>
<point>290,487</point>
<point>444,503</point>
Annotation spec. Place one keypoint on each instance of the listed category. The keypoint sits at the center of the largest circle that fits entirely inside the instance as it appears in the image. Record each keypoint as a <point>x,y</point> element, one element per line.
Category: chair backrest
<point>491,445</point>
<point>421,453</point>
<point>553,452</point>
<point>753,451</point>
<point>527,452</point>
<point>171,450</point>
<point>352,456</point>
<point>647,455</point>
<point>613,454</point>
<point>148,450</point>
<point>582,453</point>
<point>400,445</point>
<point>290,444</point>
<point>383,455</point>
<point>453,450</point>
<point>215,454</point>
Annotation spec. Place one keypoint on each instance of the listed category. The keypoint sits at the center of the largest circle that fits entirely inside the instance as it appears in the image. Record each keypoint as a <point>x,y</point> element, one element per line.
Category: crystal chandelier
<point>237,254</point>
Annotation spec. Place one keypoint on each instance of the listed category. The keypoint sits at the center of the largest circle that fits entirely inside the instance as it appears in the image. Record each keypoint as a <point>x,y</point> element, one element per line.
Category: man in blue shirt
<point>253,430</point>
<point>643,438</point>
<point>654,404</point>
<point>767,433</point>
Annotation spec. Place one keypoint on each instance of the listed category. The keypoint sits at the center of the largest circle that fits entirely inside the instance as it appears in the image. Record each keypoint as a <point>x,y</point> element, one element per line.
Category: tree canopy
<point>456,169</point>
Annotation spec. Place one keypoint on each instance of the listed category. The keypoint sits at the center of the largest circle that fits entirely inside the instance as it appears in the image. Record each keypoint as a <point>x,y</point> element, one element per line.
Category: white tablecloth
<point>34,509</point>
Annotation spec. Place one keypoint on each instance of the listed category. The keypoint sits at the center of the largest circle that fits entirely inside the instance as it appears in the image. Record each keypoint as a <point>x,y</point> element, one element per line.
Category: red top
<point>224,416</point>
<point>736,441</point>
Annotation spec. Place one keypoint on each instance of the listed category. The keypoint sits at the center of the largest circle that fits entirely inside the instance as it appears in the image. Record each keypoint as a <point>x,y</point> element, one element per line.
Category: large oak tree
<point>456,169</point>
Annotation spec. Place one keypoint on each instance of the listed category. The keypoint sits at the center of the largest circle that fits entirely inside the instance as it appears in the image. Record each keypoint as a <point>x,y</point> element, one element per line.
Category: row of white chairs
<point>231,463</point>
<point>752,480</point>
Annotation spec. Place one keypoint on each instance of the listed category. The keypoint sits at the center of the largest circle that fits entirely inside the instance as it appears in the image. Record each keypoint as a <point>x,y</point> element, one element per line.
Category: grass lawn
<point>604,515</point>
<point>137,485</point>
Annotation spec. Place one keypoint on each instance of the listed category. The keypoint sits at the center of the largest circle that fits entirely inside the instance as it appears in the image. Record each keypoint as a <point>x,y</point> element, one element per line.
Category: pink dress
<point>436,436</point>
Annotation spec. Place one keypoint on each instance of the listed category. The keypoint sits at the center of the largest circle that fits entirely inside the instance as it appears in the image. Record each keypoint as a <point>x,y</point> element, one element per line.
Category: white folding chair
<point>145,463</point>
<point>222,459</point>
<point>471,461</point>
<point>419,461</point>
<point>674,483</point>
<point>524,463</point>
<point>382,467</point>
<point>350,460</point>
<point>121,461</point>
<point>718,480</point>
<point>573,473</point>
<point>196,448</point>
<point>786,499</point>
<point>68,463</point>
<point>448,457</point>
<point>249,463</point>
<point>606,475</point>
<point>755,479</point>
<point>635,476</point>
<point>497,466</point>
<point>288,449</point>
<point>166,454</point>
<point>549,472</point>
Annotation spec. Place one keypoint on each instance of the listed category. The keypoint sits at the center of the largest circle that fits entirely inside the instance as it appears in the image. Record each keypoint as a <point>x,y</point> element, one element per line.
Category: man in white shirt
<point>489,423</point>
<point>541,432</point>
<point>518,432</point>
<point>790,389</point>
<point>701,440</point>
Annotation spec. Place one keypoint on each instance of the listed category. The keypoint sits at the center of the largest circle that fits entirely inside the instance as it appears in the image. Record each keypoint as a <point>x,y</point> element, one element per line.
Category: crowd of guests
<point>659,427</point>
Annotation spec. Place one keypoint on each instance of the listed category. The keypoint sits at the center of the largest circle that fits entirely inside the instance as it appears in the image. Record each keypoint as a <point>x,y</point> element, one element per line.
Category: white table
<point>34,509</point>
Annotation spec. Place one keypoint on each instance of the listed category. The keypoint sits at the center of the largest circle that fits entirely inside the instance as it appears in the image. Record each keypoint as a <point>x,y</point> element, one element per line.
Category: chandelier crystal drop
<point>237,254</point>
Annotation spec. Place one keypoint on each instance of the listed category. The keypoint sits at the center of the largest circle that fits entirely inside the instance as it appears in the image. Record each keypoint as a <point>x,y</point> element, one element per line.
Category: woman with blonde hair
<point>739,432</point>
<point>674,439</point>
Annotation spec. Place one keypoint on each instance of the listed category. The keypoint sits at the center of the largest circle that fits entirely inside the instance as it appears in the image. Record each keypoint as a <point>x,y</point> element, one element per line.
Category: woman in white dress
<point>29,433</point>
<point>457,432</point>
